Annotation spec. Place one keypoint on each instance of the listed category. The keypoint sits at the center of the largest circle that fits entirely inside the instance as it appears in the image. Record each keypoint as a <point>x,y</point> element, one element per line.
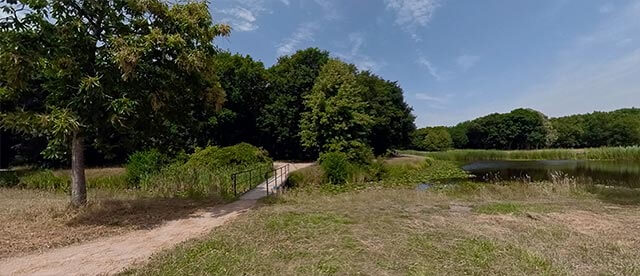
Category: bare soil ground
<point>34,221</point>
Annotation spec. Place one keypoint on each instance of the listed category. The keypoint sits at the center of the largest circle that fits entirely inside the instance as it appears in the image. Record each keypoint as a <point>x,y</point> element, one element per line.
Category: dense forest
<point>117,86</point>
<point>530,129</point>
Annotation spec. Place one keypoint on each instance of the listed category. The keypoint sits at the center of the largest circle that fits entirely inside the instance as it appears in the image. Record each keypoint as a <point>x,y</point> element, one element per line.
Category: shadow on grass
<point>143,213</point>
<point>616,195</point>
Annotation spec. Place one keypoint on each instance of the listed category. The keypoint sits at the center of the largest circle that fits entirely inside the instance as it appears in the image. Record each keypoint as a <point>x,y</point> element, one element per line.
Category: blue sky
<point>460,59</point>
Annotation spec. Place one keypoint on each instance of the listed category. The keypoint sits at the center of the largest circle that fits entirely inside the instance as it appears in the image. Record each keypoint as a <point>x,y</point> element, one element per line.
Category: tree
<point>518,129</point>
<point>102,66</point>
<point>432,139</point>
<point>246,85</point>
<point>290,80</point>
<point>438,139</point>
<point>392,118</point>
<point>337,118</point>
<point>458,135</point>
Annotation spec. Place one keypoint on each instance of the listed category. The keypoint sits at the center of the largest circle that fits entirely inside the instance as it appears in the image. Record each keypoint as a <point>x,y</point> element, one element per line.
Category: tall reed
<point>605,153</point>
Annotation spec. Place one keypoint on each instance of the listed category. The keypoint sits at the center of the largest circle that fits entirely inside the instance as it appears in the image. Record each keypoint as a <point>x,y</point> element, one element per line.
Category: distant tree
<point>246,85</point>
<point>98,67</point>
<point>458,135</point>
<point>432,139</point>
<point>337,118</point>
<point>393,122</point>
<point>290,79</point>
<point>570,131</point>
<point>518,129</point>
<point>438,139</point>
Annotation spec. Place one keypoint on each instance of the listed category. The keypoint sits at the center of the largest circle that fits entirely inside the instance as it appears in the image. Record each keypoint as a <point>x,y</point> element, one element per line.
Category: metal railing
<point>281,173</point>
<point>247,177</point>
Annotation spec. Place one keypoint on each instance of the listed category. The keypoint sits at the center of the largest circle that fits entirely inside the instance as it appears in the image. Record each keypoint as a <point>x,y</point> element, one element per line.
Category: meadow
<point>390,227</point>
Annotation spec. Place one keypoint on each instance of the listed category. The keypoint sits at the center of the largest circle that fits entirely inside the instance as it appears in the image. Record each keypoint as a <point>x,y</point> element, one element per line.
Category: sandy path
<point>114,254</point>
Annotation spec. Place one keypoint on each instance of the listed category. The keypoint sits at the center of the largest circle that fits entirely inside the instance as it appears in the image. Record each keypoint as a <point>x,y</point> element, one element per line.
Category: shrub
<point>142,164</point>
<point>44,180</point>
<point>240,155</point>
<point>8,179</point>
<point>336,167</point>
<point>355,151</point>
<point>207,173</point>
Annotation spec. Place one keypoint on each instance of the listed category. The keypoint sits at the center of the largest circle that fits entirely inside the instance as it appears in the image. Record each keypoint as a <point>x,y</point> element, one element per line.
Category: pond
<point>613,173</point>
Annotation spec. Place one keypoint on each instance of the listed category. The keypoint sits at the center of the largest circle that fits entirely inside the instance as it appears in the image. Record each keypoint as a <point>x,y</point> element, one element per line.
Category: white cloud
<point>240,19</point>
<point>433,71</point>
<point>411,14</point>
<point>355,55</point>
<point>243,16</point>
<point>467,61</point>
<point>304,33</point>
<point>286,2</point>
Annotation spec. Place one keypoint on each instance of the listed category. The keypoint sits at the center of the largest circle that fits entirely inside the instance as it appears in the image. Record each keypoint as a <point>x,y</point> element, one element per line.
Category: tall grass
<point>606,153</point>
<point>182,181</point>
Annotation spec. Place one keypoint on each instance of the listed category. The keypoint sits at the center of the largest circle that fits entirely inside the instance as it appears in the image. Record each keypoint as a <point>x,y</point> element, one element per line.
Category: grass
<point>474,229</point>
<point>37,219</point>
<point>606,153</point>
<point>396,172</point>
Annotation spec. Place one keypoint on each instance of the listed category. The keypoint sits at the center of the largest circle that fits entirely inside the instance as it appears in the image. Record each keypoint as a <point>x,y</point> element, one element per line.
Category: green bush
<point>240,155</point>
<point>207,173</point>
<point>44,180</point>
<point>142,164</point>
<point>336,167</point>
<point>355,151</point>
<point>8,179</point>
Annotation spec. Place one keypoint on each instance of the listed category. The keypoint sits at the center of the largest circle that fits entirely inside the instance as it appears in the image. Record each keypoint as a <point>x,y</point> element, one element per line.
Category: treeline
<point>530,129</point>
<point>132,85</point>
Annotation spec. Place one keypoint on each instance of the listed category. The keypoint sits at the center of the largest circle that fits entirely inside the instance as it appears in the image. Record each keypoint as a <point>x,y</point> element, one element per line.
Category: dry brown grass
<point>35,220</point>
<point>515,229</point>
<point>95,172</point>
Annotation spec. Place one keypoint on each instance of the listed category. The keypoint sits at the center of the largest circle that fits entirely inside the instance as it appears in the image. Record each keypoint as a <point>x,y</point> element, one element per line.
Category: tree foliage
<point>530,129</point>
<point>432,139</point>
<point>337,118</point>
<point>290,79</point>
<point>103,70</point>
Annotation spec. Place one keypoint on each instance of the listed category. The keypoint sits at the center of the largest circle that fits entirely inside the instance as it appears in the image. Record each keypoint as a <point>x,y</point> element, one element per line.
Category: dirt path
<point>114,254</point>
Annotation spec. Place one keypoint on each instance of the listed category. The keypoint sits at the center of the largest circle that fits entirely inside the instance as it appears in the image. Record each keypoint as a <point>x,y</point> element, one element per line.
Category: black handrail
<point>282,171</point>
<point>234,178</point>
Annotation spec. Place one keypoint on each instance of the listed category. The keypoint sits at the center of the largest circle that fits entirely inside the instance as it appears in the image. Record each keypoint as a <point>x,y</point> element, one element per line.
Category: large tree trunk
<point>78,181</point>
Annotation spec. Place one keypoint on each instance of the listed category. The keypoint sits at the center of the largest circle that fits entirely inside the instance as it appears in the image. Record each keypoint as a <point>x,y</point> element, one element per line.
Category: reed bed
<point>605,153</point>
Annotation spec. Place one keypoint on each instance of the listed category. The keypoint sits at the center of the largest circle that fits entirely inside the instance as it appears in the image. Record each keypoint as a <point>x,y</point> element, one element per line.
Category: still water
<point>614,173</point>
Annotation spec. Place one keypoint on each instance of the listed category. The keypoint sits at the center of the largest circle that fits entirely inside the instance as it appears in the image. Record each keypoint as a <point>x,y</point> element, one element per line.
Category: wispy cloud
<point>355,55</point>
<point>240,19</point>
<point>467,61</point>
<point>434,101</point>
<point>304,33</point>
<point>412,14</point>
<point>286,2</point>
<point>433,71</point>
<point>244,14</point>
<point>329,9</point>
